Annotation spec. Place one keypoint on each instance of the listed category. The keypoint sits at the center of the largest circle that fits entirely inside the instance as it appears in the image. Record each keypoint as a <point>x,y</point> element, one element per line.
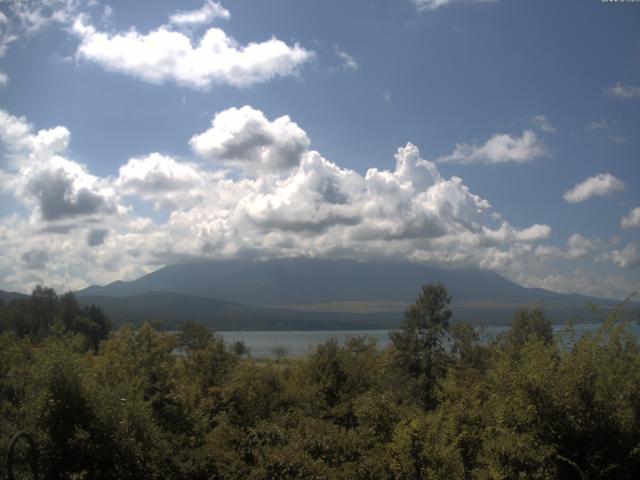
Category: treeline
<point>437,403</point>
<point>44,313</point>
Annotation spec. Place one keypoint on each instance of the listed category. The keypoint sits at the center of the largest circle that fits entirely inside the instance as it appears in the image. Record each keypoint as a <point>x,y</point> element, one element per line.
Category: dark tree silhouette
<point>418,343</point>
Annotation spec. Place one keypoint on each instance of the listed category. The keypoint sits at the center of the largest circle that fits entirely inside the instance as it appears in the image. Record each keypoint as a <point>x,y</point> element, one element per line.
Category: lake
<point>300,343</point>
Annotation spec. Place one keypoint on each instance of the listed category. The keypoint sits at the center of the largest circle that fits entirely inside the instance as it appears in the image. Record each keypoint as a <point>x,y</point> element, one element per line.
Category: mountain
<point>6,297</point>
<point>309,291</point>
<point>171,309</point>
<point>307,281</point>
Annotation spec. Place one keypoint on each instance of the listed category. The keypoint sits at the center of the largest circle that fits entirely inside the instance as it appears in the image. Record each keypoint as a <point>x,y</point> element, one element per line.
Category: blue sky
<point>523,119</point>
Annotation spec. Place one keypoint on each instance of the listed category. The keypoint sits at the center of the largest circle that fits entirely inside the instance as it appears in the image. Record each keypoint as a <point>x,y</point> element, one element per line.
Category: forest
<point>441,401</point>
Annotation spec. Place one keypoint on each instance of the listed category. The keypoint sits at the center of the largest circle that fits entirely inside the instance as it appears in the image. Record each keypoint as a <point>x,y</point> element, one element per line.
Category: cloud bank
<point>256,189</point>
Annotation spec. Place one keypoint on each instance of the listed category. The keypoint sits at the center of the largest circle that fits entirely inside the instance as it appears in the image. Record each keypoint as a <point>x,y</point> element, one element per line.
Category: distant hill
<point>8,296</point>
<point>306,281</point>
<point>309,293</point>
<point>171,309</point>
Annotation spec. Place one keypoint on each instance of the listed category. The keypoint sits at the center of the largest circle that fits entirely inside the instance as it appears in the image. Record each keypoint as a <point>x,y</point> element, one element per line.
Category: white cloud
<point>312,207</point>
<point>35,259</point>
<point>500,148</point>
<point>598,125</point>
<point>23,147</point>
<point>64,189</point>
<point>435,4</point>
<point>632,219</point>
<point>580,247</point>
<point>605,126</point>
<point>164,55</point>
<point>628,257</point>
<point>34,16</point>
<point>620,90</point>
<point>598,185</point>
<point>162,180</point>
<point>15,132</point>
<point>4,79</point>
<point>206,14</point>
<point>585,283</point>
<point>534,232</point>
<point>6,36</point>
<point>542,122</point>
<point>348,62</point>
<point>246,139</point>
<point>321,209</point>
<point>56,187</point>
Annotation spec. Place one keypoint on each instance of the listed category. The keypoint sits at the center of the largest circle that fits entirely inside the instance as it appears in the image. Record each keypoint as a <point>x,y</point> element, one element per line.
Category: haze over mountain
<point>312,293</point>
<point>299,281</point>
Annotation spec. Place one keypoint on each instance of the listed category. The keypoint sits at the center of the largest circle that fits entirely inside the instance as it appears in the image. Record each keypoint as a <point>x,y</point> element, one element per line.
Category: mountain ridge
<point>307,294</point>
<point>304,280</point>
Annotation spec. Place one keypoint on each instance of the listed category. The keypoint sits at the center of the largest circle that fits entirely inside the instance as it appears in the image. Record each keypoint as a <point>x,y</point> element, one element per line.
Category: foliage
<point>419,342</point>
<point>44,313</point>
<point>440,402</point>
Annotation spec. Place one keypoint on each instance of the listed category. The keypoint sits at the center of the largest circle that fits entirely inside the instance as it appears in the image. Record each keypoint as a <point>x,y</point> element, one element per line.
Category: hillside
<point>171,309</point>
<point>307,281</point>
<point>306,293</point>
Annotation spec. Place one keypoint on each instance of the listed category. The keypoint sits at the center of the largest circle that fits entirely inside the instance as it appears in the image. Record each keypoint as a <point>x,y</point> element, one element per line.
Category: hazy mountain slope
<point>8,296</point>
<point>307,281</point>
<point>171,309</point>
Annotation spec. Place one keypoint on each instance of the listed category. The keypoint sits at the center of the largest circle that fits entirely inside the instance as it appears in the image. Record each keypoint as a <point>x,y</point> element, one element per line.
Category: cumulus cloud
<point>435,4</point>
<point>164,55</point>
<point>24,146</point>
<point>35,259</point>
<point>601,184</point>
<point>206,14</point>
<point>632,219</point>
<point>580,247</point>
<point>35,16</point>
<point>620,90</point>
<point>628,257</point>
<point>96,236</point>
<point>321,209</point>
<point>541,122</point>
<point>15,133</point>
<point>34,171</point>
<point>500,148</point>
<point>65,189</point>
<point>244,138</point>
<point>312,207</point>
<point>535,232</point>
<point>4,79</point>
<point>161,179</point>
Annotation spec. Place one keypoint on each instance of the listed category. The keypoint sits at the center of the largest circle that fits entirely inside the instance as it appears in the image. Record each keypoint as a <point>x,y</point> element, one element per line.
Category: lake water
<point>300,343</point>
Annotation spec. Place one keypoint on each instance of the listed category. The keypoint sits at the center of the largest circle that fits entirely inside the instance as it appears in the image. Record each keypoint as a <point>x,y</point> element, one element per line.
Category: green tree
<point>528,325</point>
<point>240,349</point>
<point>280,352</point>
<point>194,336</point>
<point>41,309</point>
<point>418,344</point>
